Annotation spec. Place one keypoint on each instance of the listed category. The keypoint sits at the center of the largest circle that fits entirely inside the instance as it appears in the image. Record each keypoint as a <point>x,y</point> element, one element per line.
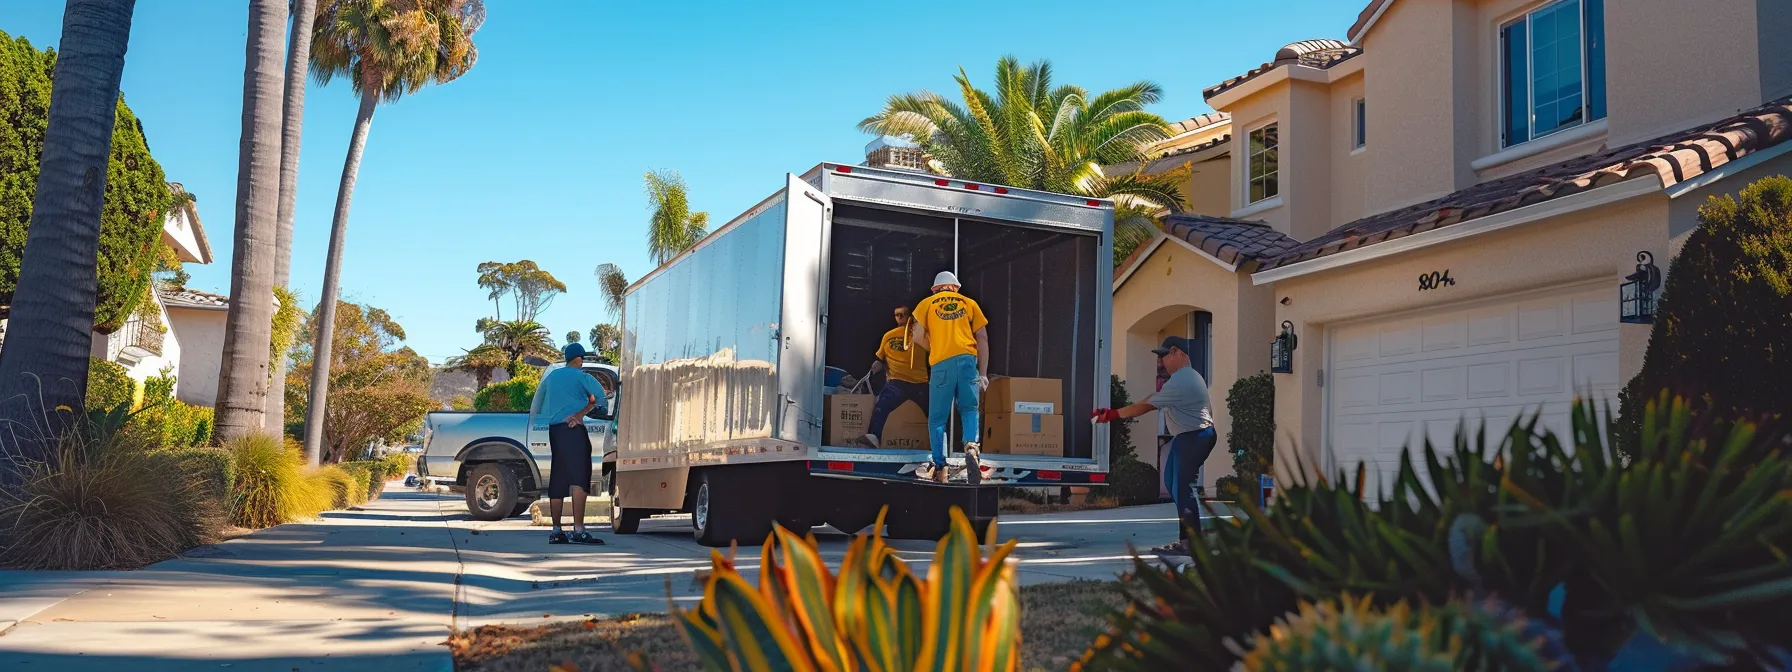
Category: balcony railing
<point>138,339</point>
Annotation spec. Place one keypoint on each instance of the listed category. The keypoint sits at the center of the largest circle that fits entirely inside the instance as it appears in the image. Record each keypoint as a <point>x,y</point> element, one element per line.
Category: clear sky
<point>538,152</point>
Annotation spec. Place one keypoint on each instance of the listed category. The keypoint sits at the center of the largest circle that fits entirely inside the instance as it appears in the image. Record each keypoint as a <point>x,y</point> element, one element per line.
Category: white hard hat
<point>946,278</point>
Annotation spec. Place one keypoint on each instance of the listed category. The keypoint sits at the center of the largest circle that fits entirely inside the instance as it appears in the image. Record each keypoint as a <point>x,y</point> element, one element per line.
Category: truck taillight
<point>1093,203</point>
<point>970,186</point>
<point>1001,190</point>
<point>1051,475</point>
<point>843,169</point>
<point>942,183</point>
<point>1098,478</point>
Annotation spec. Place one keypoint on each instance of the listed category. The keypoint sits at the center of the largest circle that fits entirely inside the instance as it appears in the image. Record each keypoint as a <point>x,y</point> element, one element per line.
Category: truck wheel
<point>624,521</point>
<point>523,505</point>
<point>492,491</point>
<point>719,517</point>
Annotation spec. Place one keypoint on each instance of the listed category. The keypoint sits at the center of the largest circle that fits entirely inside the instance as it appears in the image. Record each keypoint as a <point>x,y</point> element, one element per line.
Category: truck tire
<point>523,505</point>
<point>492,491</point>
<point>720,515</point>
<point>624,521</point>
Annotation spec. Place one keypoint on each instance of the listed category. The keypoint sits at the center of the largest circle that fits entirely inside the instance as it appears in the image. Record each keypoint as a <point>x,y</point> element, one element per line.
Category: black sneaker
<point>583,537</point>
<point>558,537</point>
<point>973,463</point>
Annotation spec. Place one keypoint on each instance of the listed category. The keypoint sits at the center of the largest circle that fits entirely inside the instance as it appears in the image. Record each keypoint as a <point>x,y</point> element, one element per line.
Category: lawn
<point>1058,621</point>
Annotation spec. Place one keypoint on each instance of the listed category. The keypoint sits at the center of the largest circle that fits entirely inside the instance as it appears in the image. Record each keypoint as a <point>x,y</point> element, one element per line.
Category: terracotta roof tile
<point>1321,54</point>
<point>193,298</point>
<point>1675,158</point>
<point>1240,242</point>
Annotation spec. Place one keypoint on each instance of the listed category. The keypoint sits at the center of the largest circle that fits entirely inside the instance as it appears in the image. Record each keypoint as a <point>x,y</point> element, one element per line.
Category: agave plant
<point>1683,547</point>
<point>1350,633</point>
<point>875,615</point>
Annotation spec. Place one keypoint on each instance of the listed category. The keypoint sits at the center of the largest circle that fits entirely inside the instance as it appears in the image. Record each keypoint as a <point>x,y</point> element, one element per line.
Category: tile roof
<point>1674,158</point>
<point>1321,54</point>
<point>192,298</point>
<point>1167,160</point>
<point>1199,122</point>
<point>1244,243</point>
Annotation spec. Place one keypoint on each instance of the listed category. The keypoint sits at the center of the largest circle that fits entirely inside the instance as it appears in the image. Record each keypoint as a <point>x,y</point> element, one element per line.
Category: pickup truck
<point>501,458</point>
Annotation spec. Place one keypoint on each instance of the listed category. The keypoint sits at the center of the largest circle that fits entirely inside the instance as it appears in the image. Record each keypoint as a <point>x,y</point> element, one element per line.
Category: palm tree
<point>292,116</point>
<point>388,49</point>
<point>1030,134</point>
<point>518,339</point>
<point>672,228</point>
<point>614,285</point>
<point>51,322</point>
<point>480,361</point>
<point>243,378</point>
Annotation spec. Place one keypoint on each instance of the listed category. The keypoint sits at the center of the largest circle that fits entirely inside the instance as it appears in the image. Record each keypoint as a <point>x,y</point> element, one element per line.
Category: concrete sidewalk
<point>381,588</point>
<point>372,589</point>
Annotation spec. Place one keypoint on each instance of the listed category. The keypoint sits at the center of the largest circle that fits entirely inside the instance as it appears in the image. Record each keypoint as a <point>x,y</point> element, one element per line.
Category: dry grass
<point>272,486</point>
<point>1058,621</point>
<point>103,507</point>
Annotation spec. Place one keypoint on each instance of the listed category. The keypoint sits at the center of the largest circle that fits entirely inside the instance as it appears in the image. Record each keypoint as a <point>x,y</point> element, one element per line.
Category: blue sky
<point>538,152</point>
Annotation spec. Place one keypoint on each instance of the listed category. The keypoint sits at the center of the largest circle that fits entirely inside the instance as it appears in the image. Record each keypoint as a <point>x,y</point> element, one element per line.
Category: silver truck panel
<point>921,191</point>
<point>799,373</point>
<point>701,346</point>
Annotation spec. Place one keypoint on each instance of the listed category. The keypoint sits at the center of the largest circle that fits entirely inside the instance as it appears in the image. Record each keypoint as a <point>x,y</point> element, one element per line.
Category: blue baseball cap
<point>573,350</point>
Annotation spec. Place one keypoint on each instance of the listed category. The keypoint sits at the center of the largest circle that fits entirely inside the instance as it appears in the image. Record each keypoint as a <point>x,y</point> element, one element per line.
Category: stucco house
<point>183,330</point>
<point>1442,209</point>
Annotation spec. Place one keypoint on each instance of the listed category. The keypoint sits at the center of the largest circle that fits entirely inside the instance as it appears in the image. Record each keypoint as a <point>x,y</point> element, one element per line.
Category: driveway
<point>381,588</point>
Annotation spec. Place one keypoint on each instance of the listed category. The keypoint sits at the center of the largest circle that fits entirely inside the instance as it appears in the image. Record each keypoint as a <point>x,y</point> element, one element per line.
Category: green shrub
<point>136,198</point>
<point>1723,329</point>
<point>1120,446</point>
<point>1683,543</point>
<point>1352,634</point>
<point>370,473</point>
<point>102,507</point>
<point>169,422</point>
<point>346,489</point>
<point>108,385</point>
<point>1134,482</point>
<point>213,469</point>
<point>272,486</point>
<point>1252,405</point>
<point>515,394</point>
<point>396,465</point>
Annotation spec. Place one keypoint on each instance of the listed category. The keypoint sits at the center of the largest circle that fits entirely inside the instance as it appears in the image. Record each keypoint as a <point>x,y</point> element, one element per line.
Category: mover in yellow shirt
<point>905,380</point>
<point>952,329</point>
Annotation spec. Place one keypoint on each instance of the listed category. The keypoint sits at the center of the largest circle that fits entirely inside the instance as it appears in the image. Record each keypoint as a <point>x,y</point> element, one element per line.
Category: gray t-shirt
<point>1184,402</point>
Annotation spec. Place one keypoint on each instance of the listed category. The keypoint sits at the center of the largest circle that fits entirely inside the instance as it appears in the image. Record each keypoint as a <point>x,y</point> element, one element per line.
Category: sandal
<point>558,538</point>
<point>583,537</point>
<point>1173,549</point>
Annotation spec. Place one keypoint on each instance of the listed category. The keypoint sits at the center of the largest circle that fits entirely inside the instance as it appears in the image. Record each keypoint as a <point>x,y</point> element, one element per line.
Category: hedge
<point>137,192</point>
<point>214,469</point>
<point>108,385</point>
<point>1252,404</point>
<point>371,474</point>
<point>515,394</point>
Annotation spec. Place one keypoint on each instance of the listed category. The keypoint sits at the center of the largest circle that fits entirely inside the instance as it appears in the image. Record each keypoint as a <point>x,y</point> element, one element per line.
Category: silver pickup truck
<point>501,458</point>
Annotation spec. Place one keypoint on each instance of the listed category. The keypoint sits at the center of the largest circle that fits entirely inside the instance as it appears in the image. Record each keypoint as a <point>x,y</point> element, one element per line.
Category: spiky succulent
<point>1497,637</point>
<point>1351,635</point>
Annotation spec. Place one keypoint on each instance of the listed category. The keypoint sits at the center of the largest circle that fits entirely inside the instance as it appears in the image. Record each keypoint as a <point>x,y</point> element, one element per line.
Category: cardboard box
<point>1024,434</point>
<point>1034,396</point>
<point>846,416</point>
<point>906,428</point>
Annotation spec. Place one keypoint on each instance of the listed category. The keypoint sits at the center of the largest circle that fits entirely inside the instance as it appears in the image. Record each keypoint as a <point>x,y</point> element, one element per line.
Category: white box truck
<point>725,349</point>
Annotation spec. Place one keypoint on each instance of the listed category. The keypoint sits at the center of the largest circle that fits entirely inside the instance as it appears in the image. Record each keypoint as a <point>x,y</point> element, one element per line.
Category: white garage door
<point>1395,381</point>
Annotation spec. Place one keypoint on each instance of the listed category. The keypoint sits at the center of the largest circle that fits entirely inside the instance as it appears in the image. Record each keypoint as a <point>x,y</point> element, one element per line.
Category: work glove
<point>982,383</point>
<point>1104,415</point>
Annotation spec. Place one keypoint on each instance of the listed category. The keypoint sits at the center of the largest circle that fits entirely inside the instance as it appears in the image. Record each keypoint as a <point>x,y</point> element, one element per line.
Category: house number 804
<point>1435,280</point>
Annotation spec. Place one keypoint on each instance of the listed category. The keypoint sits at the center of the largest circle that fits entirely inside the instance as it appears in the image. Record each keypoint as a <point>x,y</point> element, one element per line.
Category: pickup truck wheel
<point>492,491</point>
<point>523,505</point>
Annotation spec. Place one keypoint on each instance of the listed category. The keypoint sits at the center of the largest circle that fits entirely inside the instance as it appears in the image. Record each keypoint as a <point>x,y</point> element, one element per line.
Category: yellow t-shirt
<point>951,321</point>
<point>900,358</point>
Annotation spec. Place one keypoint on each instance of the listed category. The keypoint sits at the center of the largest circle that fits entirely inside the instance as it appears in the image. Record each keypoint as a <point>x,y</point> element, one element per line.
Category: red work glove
<point>1105,415</point>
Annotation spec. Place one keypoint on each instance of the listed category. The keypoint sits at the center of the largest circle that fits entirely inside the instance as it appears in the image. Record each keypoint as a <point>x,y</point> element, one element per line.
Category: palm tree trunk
<point>298,59</point>
<point>326,310</point>
<point>50,331</point>
<point>248,327</point>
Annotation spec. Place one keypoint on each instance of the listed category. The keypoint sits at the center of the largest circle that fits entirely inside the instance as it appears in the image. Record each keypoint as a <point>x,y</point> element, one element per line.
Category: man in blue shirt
<point>562,399</point>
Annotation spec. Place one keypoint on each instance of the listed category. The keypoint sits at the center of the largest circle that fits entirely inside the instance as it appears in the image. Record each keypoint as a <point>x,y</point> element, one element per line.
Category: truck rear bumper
<point>998,469</point>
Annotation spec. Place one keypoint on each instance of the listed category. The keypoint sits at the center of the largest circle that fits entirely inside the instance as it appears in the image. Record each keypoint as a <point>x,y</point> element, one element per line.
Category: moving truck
<point>727,351</point>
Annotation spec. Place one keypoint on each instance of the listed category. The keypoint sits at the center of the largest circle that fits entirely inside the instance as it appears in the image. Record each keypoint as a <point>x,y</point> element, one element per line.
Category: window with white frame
<point>1552,69</point>
<point>1359,124</point>
<point>1263,165</point>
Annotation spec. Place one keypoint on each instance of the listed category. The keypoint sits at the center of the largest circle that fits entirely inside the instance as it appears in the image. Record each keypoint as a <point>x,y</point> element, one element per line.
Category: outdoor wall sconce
<point>1636,297</point>
<point>1281,350</point>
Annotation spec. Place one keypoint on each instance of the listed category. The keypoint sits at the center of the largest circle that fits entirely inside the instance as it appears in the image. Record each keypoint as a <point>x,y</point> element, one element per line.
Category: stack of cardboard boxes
<point>1021,416</point>
<point>1024,416</point>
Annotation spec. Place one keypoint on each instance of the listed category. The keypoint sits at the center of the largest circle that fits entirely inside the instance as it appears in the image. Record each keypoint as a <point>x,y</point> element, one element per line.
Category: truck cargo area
<point>1037,287</point>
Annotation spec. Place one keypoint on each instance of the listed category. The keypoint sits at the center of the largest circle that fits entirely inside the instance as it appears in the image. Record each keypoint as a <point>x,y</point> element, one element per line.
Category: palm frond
<point>1158,191</point>
<point>614,285</point>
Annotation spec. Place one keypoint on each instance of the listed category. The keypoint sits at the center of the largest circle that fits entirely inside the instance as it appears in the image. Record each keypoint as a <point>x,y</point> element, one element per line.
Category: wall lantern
<point>1636,297</point>
<point>1281,350</point>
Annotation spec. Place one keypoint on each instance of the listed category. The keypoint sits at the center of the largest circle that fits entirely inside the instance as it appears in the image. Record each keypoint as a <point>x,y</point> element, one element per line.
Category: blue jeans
<point>952,381</point>
<point>1182,470</point>
<point>894,393</point>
